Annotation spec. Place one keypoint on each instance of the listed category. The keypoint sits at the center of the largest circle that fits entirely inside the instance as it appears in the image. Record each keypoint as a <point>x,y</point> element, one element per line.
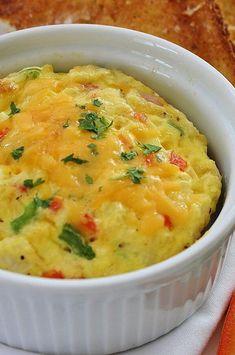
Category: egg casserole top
<point>99,175</point>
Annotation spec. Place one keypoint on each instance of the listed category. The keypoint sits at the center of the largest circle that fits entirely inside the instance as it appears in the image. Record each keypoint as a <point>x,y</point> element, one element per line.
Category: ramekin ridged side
<point>49,322</point>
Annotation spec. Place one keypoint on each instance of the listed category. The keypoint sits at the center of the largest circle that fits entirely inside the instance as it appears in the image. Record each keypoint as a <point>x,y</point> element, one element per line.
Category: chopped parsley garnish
<point>30,184</point>
<point>149,148</point>
<point>93,148</point>
<point>82,107</point>
<point>74,160</point>
<point>97,102</point>
<point>14,109</point>
<point>173,124</point>
<point>33,73</point>
<point>128,155</point>
<point>135,174</point>
<point>29,212</point>
<point>89,179</point>
<point>17,153</point>
<point>42,203</point>
<point>94,123</point>
<point>66,124</point>
<point>74,239</point>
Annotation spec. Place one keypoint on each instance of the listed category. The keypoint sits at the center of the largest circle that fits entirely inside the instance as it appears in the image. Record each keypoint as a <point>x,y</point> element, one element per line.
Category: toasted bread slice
<point>228,11</point>
<point>194,24</point>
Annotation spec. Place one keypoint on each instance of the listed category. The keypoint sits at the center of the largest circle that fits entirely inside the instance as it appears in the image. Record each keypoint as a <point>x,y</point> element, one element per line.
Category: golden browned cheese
<point>99,175</point>
<point>194,24</point>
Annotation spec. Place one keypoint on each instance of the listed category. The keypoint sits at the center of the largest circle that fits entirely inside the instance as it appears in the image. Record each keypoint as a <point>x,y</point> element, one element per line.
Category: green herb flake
<point>71,158</point>
<point>30,184</point>
<point>14,109</point>
<point>128,155</point>
<point>97,103</point>
<point>74,239</point>
<point>135,174</point>
<point>33,74</point>
<point>94,123</point>
<point>149,148</point>
<point>66,124</point>
<point>173,124</point>
<point>82,107</point>
<point>89,179</point>
<point>17,153</point>
<point>42,203</point>
<point>93,148</point>
<point>29,212</point>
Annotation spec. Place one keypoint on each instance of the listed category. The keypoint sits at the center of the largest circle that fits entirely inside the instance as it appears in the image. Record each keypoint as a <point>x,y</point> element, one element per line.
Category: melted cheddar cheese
<point>99,175</point>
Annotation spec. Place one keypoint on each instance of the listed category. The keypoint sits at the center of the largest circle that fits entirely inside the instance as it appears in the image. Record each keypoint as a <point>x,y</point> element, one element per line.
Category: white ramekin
<point>107,315</point>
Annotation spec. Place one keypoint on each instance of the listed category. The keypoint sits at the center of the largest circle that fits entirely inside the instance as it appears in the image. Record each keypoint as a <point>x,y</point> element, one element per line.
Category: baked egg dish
<point>99,175</point>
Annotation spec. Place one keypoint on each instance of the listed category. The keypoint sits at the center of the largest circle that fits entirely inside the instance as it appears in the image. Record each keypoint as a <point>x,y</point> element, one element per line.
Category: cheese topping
<point>99,175</point>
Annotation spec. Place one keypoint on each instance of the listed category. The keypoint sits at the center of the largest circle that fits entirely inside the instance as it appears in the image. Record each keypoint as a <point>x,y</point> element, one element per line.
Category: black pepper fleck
<point>120,245</point>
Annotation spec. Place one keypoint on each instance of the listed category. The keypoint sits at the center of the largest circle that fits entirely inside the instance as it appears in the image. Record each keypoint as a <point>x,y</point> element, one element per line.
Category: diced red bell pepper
<point>227,341</point>
<point>53,274</point>
<point>89,223</point>
<point>23,188</point>
<point>167,222</point>
<point>150,159</point>
<point>4,132</point>
<point>56,204</point>
<point>177,160</point>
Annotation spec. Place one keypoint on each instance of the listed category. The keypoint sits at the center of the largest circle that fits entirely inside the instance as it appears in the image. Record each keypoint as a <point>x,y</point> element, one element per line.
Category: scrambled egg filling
<point>99,175</point>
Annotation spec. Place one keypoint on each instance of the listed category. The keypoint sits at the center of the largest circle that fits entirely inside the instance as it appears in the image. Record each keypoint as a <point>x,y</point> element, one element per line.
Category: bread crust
<point>227,8</point>
<point>194,24</point>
